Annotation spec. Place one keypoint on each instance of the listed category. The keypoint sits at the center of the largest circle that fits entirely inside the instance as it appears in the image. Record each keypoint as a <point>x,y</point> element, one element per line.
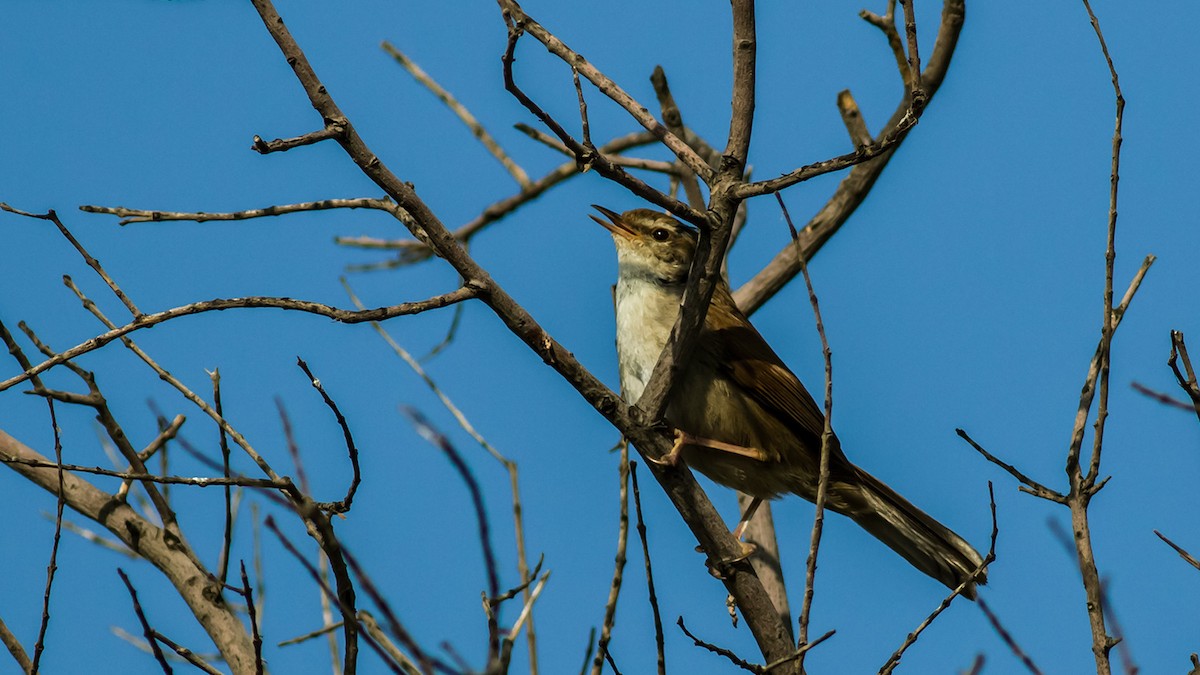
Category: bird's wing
<point>751,363</point>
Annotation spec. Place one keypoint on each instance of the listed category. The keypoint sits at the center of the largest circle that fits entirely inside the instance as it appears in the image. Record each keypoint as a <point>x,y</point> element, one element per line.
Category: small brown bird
<point>743,419</point>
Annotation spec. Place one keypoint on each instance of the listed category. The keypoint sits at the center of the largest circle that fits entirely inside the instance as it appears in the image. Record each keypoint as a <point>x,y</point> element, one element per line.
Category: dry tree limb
<point>417,251</point>
<point>128,216</point>
<point>673,119</point>
<point>523,23</point>
<point>196,481</point>
<point>186,654</point>
<point>342,315</point>
<point>146,629</point>
<point>343,504</point>
<point>652,596</point>
<point>854,188</point>
<point>509,465</point>
<point>477,129</point>
<point>826,445</point>
<point>680,486</point>
<point>52,566</point>
<point>614,591</point>
<point>894,660</point>
<point>1188,557</point>
<point>256,637</point>
<point>588,155</point>
<point>1007,637</point>
<point>434,437</point>
<point>344,597</point>
<point>1187,383</point>
<point>14,647</point>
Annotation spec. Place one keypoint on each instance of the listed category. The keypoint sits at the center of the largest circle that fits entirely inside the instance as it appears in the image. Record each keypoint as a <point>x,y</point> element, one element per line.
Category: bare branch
<point>333,130</point>
<point>87,257</point>
<point>854,188</point>
<point>1007,637</point>
<point>52,566</point>
<point>1161,397</point>
<point>435,438</point>
<point>129,216</point>
<point>1188,382</point>
<point>586,155</point>
<point>1191,560</point>
<point>342,315</point>
<point>343,505</point>
<point>674,121</point>
<point>894,660</point>
<point>827,440</point>
<point>1027,484</point>
<point>477,129</point>
<point>614,591</point>
<point>186,654</point>
<point>14,647</point>
<point>653,597</point>
<point>524,23</point>
<point>146,629</point>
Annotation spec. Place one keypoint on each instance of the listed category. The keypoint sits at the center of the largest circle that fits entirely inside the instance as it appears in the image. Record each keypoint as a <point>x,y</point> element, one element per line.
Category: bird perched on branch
<point>742,418</point>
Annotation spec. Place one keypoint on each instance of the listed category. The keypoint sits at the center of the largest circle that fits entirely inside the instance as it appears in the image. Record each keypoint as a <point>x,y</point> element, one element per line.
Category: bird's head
<point>650,244</point>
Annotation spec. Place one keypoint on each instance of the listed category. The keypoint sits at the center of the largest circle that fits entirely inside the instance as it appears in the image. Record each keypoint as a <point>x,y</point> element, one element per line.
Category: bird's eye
<point>661,234</point>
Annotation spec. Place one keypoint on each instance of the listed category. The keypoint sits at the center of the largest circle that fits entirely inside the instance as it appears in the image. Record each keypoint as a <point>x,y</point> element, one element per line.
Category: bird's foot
<point>672,458</point>
<point>720,568</point>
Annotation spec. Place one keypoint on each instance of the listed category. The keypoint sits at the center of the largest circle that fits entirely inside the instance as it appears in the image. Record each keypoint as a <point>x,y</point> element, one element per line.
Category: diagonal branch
<point>524,23</point>
<point>854,188</point>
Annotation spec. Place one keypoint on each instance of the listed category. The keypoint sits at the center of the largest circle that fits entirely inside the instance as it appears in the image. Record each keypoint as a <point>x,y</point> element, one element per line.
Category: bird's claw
<point>718,568</point>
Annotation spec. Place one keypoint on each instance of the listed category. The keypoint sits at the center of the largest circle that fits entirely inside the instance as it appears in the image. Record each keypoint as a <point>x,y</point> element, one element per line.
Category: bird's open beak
<point>614,224</point>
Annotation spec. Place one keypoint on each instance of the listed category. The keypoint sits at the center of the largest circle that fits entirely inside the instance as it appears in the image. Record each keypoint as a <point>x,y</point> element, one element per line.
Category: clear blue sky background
<point>966,292</point>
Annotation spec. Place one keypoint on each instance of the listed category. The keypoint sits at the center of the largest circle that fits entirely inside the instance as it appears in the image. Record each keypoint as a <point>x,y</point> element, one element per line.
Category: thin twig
<point>223,441</point>
<point>435,438</point>
<point>52,566</point>
<point>146,629</point>
<point>129,216</point>
<point>343,505</point>
<point>14,647</point>
<point>1186,382</point>
<point>894,660</point>
<point>587,653</point>
<point>827,440</point>
<point>1182,553</point>
<point>395,627</point>
<point>460,111</point>
<point>523,23</point>
<point>198,481</point>
<point>641,530</point>
<point>248,594</point>
<point>221,304</point>
<point>186,654</point>
<point>673,119</point>
<point>1027,484</point>
<point>1007,637</point>
<point>720,651</point>
<point>614,590</point>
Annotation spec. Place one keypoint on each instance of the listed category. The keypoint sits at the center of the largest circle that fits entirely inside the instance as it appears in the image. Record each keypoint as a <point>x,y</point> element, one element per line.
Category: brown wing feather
<point>751,363</point>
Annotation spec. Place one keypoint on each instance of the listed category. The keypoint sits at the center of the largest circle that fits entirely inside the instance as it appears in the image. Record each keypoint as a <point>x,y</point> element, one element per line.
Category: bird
<point>742,418</point>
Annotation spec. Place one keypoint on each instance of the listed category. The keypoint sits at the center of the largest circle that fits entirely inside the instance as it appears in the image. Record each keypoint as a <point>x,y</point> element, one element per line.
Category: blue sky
<point>966,292</point>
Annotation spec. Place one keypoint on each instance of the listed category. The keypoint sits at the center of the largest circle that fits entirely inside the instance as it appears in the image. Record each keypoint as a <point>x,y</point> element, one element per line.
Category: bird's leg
<point>717,569</point>
<point>745,521</point>
<point>683,438</point>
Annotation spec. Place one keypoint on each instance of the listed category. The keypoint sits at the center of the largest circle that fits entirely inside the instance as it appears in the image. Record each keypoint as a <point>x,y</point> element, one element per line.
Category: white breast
<point>646,311</point>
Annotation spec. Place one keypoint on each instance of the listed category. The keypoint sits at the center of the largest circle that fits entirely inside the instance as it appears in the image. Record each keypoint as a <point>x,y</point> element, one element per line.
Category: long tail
<point>930,546</point>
